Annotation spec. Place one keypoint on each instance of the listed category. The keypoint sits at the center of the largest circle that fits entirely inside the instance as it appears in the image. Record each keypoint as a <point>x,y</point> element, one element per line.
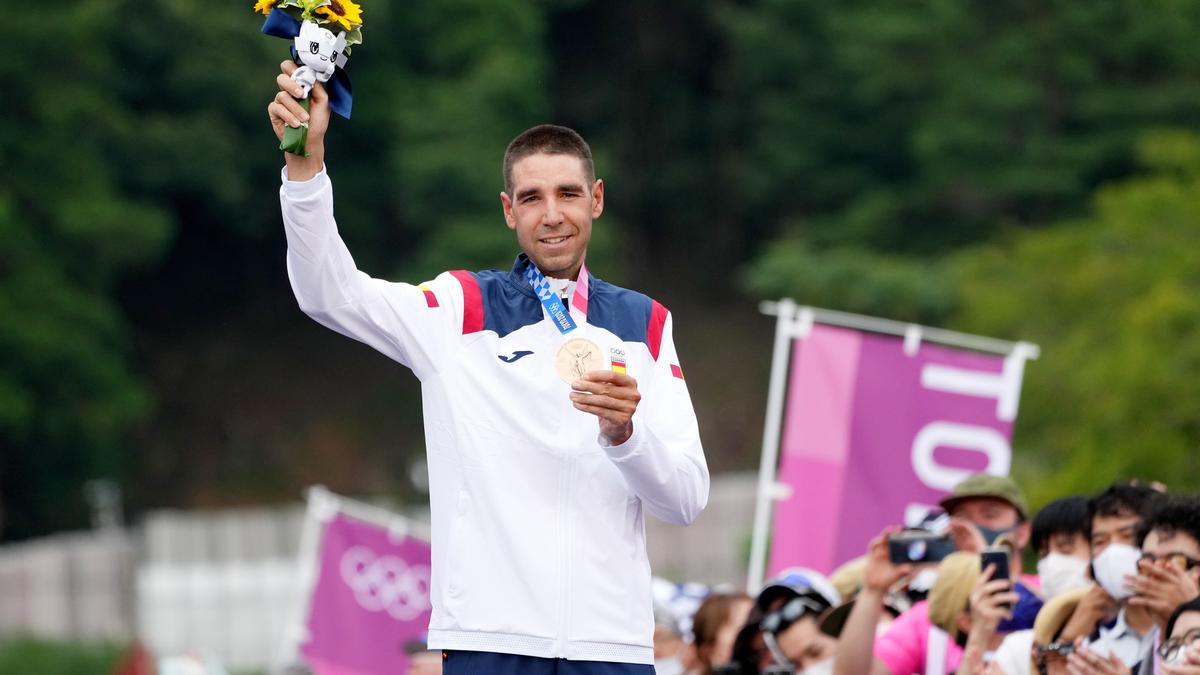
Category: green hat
<point>987,485</point>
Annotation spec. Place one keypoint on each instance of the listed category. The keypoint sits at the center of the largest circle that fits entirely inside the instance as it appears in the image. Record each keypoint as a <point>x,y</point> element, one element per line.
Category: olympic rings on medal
<point>386,583</point>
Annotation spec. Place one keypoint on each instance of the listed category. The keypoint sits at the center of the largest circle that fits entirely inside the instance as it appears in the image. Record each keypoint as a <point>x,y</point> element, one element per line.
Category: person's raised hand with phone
<point>855,654</point>
<point>990,603</point>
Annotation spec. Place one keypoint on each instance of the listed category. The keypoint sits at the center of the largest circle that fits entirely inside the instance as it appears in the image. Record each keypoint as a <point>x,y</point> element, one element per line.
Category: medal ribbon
<point>559,315</point>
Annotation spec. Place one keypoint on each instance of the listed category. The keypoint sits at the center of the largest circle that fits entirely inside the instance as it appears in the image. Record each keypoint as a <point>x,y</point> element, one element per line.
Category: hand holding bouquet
<point>322,33</point>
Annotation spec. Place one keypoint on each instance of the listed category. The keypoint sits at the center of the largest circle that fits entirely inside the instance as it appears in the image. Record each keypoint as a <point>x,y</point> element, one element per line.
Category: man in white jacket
<point>555,408</point>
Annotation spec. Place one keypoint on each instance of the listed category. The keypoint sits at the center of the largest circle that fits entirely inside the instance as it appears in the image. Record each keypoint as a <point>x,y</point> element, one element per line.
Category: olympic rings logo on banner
<point>386,583</point>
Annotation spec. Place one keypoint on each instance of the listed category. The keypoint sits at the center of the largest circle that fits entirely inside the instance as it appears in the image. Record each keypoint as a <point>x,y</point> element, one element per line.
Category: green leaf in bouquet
<point>353,37</point>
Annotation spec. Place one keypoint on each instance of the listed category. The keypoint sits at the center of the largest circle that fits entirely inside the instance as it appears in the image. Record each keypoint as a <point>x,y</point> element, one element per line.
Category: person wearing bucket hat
<point>983,508</point>
<point>1048,651</point>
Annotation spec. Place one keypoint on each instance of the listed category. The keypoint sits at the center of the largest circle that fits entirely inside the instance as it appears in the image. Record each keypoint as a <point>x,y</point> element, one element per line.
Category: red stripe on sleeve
<point>472,302</point>
<point>430,298</point>
<point>677,371</point>
<point>654,332</point>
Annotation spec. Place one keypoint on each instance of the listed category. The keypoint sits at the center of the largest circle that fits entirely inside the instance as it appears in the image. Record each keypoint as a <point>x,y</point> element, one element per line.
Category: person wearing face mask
<point>675,605</point>
<point>1168,572</point>
<point>1058,536</point>
<point>1060,539</point>
<point>984,510</point>
<point>1113,631</point>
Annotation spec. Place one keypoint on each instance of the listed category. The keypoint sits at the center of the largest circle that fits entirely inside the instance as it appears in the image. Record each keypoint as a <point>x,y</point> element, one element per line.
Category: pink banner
<point>873,434</point>
<point>371,599</point>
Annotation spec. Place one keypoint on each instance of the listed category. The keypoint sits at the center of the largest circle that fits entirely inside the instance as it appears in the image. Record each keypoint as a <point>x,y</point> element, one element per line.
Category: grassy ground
<point>56,658</point>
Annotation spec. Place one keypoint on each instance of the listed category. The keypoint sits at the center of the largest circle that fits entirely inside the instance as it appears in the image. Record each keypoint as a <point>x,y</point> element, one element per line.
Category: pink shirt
<point>903,647</point>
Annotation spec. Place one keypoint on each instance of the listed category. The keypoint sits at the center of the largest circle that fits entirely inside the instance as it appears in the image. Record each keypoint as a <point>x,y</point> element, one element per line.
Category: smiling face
<point>551,208</point>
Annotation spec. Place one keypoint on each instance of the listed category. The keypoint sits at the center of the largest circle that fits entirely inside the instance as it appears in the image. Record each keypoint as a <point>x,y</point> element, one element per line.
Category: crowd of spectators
<point>1116,591</point>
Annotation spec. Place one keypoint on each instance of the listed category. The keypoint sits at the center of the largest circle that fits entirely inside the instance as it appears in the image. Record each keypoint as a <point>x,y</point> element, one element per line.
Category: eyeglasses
<point>789,613</point>
<point>1174,649</point>
<point>1177,558</point>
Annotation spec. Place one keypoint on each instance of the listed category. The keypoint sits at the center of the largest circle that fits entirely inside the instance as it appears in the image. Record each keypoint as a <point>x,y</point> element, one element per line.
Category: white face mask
<point>1112,566</point>
<point>823,668</point>
<point>1061,573</point>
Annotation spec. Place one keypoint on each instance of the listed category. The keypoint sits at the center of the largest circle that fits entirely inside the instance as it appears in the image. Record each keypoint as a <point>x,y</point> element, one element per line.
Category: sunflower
<point>344,12</point>
<point>264,6</point>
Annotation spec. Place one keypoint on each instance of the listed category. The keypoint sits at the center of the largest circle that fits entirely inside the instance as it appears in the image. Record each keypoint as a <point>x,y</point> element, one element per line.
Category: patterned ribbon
<point>558,312</point>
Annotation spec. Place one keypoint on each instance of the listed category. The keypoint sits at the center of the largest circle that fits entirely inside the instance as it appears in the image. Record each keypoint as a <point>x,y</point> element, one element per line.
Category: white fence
<point>72,587</point>
<point>225,583</point>
<point>236,611</point>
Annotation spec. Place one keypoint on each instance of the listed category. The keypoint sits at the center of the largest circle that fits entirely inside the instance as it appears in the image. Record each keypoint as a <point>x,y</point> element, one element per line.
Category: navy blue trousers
<point>489,663</point>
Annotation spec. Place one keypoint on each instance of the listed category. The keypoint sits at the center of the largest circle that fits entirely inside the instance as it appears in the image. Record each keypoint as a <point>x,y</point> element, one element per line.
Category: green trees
<point>70,226</point>
<point>927,160</point>
<point>1113,298</point>
<point>882,136</point>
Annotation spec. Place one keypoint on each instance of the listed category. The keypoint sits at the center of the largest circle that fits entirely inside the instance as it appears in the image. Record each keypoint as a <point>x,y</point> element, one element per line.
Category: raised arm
<point>855,651</point>
<point>414,325</point>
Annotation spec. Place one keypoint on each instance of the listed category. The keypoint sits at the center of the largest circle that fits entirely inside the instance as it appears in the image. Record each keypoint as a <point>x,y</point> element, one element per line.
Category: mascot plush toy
<point>321,52</point>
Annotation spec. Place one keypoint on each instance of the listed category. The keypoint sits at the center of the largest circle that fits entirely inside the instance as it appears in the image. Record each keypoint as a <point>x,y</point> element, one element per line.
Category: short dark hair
<point>552,140</point>
<point>1068,515</point>
<point>1192,605</point>
<point>1133,499</point>
<point>1174,515</point>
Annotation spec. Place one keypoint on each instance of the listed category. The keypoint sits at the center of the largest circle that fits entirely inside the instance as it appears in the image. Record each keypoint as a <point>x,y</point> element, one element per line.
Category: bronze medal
<point>576,358</point>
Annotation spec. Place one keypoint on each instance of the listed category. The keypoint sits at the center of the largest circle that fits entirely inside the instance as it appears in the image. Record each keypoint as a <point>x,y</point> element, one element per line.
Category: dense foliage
<point>960,163</point>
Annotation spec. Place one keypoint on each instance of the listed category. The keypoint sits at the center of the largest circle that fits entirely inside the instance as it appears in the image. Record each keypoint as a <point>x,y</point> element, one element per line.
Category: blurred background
<point>1026,170</point>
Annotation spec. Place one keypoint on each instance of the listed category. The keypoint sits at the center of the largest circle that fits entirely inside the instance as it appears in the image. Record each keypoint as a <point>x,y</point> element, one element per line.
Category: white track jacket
<point>539,543</point>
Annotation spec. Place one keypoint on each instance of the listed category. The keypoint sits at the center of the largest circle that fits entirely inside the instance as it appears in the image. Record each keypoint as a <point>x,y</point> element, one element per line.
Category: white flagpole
<point>322,507</point>
<point>795,322</point>
<point>784,330</point>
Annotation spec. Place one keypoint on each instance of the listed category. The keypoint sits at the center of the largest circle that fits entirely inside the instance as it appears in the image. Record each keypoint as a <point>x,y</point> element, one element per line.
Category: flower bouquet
<point>322,33</point>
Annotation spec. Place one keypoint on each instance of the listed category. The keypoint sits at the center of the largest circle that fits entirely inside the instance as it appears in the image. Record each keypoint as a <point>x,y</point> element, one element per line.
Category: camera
<point>919,546</point>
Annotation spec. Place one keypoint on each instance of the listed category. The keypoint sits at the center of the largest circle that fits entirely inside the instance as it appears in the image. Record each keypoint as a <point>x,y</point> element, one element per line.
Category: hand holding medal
<point>611,396</point>
<point>322,32</point>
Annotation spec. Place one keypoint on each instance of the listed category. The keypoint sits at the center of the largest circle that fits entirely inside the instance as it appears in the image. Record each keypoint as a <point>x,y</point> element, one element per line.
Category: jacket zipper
<point>564,532</point>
